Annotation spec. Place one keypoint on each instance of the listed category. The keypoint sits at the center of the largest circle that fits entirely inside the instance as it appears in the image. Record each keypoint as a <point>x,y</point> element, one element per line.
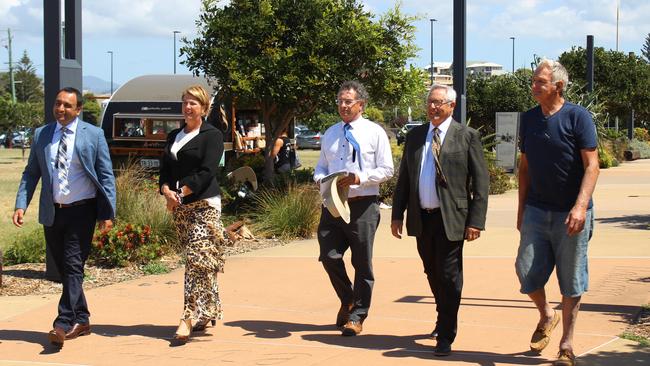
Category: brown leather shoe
<point>343,315</point>
<point>352,328</point>
<point>78,330</point>
<point>542,336</point>
<point>56,336</point>
<point>565,358</point>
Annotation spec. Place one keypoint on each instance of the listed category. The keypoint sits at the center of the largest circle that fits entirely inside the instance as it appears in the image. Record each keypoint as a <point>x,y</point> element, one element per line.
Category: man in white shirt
<point>361,148</point>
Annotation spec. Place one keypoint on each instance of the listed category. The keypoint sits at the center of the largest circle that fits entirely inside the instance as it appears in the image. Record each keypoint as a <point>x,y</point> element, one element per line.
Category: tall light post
<point>513,54</point>
<point>432,21</point>
<point>175,32</point>
<point>111,53</point>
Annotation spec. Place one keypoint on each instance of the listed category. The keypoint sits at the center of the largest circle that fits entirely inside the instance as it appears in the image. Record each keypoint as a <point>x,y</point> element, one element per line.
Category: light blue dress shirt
<point>427,184</point>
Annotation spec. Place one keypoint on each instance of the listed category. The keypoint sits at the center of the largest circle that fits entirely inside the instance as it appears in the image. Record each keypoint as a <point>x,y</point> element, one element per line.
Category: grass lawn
<point>308,158</point>
<point>11,169</point>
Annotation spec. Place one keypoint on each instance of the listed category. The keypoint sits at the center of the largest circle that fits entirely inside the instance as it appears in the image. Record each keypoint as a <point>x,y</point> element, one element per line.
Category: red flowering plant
<point>125,244</point>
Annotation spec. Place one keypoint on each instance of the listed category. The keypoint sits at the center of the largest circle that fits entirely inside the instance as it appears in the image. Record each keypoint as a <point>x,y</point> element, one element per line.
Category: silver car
<point>308,139</point>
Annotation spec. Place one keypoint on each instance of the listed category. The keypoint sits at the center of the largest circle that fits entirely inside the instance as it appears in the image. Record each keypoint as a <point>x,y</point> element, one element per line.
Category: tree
<point>487,95</point>
<point>621,81</point>
<point>646,48</point>
<point>91,110</point>
<point>28,86</point>
<point>288,57</point>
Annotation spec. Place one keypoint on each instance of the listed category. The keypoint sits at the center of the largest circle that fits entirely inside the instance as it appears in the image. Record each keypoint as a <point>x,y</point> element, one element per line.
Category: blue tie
<point>356,150</point>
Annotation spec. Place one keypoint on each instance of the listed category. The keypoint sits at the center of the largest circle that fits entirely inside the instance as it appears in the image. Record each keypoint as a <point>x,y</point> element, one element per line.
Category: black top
<point>283,156</point>
<point>197,164</point>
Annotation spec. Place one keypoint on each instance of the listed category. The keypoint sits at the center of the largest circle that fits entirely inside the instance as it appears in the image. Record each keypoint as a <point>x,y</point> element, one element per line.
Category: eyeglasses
<point>347,102</point>
<point>438,103</point>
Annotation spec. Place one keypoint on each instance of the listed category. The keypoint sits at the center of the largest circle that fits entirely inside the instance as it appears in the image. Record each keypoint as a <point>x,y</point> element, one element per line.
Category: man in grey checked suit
<point>443,185</point>
<point>78,190</point>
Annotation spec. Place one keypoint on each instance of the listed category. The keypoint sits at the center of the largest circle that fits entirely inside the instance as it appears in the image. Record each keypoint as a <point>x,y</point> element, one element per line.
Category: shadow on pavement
<point>639,356</point>
<point>638,222</point>
<point>164,332</point>
<point>274,329</point>
<point>29,336</point>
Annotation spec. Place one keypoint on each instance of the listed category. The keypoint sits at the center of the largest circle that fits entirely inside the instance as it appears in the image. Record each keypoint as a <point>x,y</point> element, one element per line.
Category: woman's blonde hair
<point>198,92</point>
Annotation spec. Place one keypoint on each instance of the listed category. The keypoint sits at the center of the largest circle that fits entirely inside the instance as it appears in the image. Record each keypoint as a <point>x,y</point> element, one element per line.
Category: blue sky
<point>139,32</point>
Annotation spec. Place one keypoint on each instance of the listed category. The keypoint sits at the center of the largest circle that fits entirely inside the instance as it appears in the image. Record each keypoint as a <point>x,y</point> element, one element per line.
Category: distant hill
<point>98,86</point>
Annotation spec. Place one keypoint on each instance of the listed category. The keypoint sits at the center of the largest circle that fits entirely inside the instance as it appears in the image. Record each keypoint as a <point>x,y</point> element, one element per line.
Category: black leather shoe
<point>343,315</point>
<point>434,334</point>
<point>443,348</point>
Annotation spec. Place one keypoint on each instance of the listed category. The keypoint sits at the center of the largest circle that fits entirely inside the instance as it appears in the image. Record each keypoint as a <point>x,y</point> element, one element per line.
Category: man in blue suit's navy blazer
<point>78,190</point>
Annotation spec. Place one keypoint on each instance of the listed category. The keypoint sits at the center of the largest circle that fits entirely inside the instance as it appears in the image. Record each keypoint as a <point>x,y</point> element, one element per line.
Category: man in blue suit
<point>78,190</point>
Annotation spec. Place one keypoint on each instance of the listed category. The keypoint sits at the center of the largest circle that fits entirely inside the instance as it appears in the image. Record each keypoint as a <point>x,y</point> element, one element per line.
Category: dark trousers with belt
<point>335,237</point>
<point>443,265</point>
<point>69,240</point>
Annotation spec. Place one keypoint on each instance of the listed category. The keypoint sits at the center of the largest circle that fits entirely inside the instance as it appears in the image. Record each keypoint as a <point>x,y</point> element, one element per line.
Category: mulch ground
<point>29,278</point>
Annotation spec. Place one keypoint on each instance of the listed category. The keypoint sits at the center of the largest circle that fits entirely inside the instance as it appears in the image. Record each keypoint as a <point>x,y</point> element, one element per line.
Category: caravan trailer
<point>141,113</point>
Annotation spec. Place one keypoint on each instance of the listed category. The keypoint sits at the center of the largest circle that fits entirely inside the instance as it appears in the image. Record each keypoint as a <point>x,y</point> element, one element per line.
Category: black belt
<point>359,198</point>
<point>431,210</point>
<point>75,203</point>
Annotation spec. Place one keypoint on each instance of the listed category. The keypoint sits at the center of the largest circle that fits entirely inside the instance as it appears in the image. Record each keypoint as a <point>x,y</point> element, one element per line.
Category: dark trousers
<point>335,237</point>
<point>443,265</point>
<point>69,240</point>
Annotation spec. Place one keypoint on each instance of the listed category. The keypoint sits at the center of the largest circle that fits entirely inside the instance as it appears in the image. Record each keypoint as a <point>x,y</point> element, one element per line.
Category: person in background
<point>281,153</point>
<point>188,181</point>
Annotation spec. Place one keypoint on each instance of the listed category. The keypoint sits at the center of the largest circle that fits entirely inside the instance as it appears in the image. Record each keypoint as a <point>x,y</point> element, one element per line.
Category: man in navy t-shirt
<point>557,175</point>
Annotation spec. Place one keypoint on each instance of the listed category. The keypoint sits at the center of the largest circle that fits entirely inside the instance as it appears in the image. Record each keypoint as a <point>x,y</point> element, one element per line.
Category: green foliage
<point>27,247</point>
<point>641,340</point>
<point>645,51</point>
<point>288,57</point>
<point>321,121</point>
<point>16,115</point>
<point>621,80</point>
<point>487,95</point>
<point>156,267</point>
<point>139,203</point>
<point>28,86</point>
<point>387,188</point>
<point>91,110</point>
<point>286,214</point>
<point>641,134</point>
<point>374,114</point>
<point>125,244</point>
<point>642,146</point>
<point>499,180</point>
<point>606,159</point>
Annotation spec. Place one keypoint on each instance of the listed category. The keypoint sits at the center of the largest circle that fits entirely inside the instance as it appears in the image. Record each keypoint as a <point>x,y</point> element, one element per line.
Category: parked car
<point>299,129</point>
<point>308,139</point>
<point>401,134</point>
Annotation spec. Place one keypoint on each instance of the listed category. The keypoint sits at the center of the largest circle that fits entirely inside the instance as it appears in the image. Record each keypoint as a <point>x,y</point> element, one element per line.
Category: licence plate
<point>150,163</point>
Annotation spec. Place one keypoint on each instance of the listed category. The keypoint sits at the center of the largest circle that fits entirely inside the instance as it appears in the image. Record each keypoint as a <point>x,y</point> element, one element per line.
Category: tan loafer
<point>542,336</point>
<point>565,358</point>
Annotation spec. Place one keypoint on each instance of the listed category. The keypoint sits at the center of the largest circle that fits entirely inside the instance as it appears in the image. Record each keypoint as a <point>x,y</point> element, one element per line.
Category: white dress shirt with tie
<point>81,187</point>
<point>376,158</point>
<point>427,184</point>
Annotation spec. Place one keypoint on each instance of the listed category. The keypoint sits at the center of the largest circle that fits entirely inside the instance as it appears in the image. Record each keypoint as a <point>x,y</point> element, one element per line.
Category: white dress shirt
<point>427,184</point>
<point>81,186</point>
<point>376,157</point>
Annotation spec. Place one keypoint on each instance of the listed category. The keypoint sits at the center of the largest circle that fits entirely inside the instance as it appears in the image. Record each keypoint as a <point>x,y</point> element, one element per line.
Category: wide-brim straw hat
<point>335,198</point>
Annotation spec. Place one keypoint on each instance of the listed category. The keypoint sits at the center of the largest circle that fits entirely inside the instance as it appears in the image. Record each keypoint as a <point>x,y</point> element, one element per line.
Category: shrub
<point>139,203</point>
<point>606,159</point>
<point>155,268</point>
<point>28,247</point>
<point>642,146</point>
<point>286,214</point>
<point>124,244</point>
<point>499,179</point>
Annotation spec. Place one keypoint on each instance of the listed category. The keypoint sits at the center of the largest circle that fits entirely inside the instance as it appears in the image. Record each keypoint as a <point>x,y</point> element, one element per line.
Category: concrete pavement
<point>280,307</point>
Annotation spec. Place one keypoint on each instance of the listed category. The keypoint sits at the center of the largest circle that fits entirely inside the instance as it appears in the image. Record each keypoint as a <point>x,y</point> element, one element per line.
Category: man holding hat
<point>360,148</point>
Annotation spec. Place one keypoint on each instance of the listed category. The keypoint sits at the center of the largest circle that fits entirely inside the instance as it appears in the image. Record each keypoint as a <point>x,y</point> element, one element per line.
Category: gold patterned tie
<point>435,148</point>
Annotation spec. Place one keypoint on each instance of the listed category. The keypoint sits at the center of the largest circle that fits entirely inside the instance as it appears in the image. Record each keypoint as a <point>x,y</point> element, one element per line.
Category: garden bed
<point>29,278</point>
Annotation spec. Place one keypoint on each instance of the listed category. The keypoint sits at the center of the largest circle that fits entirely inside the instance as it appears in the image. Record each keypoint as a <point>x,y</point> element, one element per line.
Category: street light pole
<point>432,20</point>
<point>513,54</point>
<point>111,53</point>
<point>175,50</point>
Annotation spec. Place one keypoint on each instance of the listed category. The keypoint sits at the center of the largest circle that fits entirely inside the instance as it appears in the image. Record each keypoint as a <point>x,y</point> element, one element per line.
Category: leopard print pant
<point>201,234</point>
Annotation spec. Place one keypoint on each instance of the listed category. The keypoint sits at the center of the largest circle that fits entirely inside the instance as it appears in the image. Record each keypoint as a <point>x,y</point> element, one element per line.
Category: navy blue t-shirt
<point>552,146</point>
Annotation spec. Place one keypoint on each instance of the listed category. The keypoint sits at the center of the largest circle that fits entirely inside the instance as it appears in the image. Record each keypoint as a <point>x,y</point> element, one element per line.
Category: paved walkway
<point>280,308</point>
